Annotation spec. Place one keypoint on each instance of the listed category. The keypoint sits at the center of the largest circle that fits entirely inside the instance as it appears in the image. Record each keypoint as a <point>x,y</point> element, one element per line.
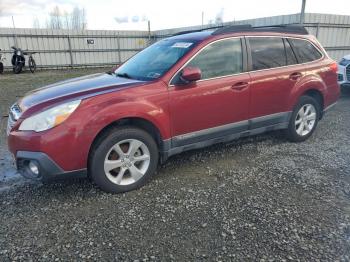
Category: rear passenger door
<point>272,80</point>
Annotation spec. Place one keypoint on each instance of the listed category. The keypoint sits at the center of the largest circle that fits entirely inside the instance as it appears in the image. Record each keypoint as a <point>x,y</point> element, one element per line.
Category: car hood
<point>77,88</point>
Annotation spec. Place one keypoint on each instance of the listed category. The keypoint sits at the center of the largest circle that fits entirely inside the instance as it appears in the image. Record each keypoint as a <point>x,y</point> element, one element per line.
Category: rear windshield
<point>154,61</point>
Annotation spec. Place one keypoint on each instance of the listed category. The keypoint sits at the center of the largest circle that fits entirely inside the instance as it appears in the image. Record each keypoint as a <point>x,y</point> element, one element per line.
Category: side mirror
<point>190,74</point>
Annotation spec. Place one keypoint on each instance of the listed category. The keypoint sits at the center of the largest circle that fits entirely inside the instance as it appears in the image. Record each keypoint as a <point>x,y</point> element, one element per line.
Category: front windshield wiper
<point>125,75</point>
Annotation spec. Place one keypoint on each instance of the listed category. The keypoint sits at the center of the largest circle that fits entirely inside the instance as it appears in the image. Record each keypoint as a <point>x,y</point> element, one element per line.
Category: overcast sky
<point>114,14</point>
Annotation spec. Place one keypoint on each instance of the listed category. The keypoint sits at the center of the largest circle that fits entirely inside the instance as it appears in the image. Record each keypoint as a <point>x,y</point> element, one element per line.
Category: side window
<point>267,52</point>
<point>291,59</point>
<point>219,59</point>
<point>305,51</point>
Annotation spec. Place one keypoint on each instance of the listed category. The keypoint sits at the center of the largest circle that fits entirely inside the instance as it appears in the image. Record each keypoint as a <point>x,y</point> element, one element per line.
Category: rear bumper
<point>47,169</point>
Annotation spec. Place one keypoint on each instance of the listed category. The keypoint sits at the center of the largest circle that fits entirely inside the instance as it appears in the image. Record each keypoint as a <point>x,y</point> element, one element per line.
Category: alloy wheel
<point>305,120</point>
<point>127,162</point>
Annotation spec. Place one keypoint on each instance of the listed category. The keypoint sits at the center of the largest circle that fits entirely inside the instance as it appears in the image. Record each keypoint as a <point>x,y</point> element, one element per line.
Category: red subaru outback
<point>185,92</point>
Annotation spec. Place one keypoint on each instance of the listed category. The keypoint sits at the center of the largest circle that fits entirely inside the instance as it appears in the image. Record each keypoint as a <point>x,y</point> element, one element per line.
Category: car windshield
<point>154,61</point>
<point>344,62</point>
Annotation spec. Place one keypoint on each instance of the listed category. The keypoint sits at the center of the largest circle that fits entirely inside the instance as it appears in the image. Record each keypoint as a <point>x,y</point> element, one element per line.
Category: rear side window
<point>220,59</point>
<point>305,51</point>
<point>267,52</point>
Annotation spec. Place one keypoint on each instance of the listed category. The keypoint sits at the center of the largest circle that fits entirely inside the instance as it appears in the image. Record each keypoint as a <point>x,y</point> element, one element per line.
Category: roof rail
<point>293,29</point>
<point>196,30</point>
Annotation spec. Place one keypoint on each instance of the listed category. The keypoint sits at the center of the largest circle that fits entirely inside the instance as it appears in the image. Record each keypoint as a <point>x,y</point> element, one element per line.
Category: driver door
<point>217,105</point>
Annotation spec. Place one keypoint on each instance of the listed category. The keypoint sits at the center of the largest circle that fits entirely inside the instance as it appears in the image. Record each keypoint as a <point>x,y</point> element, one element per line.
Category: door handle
<point>240,86</point>
<point>295,76</point>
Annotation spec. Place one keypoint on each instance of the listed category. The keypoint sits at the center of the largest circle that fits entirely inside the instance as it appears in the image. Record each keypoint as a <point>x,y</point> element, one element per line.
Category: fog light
<point>33,167</point>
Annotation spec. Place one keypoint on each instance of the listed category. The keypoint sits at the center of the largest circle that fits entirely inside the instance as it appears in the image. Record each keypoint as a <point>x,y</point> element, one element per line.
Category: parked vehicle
<point>344,71</point>
<point>1,63</point>
<point>18,60</point>
<point>185,92</point>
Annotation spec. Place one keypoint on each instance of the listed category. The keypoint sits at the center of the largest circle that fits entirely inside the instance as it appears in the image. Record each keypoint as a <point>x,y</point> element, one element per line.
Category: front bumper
<point>47,169</point>
<point>345,85</point>
<point>343,75</point>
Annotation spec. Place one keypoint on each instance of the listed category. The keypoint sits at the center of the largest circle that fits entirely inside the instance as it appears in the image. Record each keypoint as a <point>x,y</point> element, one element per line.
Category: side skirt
<point>205,138</point>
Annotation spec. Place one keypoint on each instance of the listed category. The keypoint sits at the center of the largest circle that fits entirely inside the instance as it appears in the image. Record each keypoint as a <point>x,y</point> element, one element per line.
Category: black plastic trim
<point>225,133</point>
<point>292,29</point>
<point>223,139</point>
<point>48,169</point>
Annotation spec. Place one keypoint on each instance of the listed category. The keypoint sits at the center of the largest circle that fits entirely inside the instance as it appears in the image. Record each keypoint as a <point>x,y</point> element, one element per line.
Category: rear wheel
<point>32,64</point>
<point>123,159</point>
<point>304,119</point>
<point>18,65</point>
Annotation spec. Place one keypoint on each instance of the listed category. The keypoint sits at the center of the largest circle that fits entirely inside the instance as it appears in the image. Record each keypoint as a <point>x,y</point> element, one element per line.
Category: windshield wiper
<point>125,75</point>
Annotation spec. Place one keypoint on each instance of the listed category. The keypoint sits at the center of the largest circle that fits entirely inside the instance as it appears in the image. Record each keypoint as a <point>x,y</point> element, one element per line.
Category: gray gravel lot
<point>260,198</point>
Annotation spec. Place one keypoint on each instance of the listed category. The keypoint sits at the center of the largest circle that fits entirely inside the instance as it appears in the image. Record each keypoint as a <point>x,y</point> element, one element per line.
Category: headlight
<point>49,118</point>
<point>19,53</point>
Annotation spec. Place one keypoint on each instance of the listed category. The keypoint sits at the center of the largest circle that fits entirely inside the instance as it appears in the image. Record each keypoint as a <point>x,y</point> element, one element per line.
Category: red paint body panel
<point>207,104</point>
<point>69,143</point>
<point>175,110</point>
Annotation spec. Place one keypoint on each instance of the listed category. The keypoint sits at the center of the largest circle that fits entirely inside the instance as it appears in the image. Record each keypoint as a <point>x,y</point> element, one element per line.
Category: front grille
<point>348,72</point>
<point>340,78</point>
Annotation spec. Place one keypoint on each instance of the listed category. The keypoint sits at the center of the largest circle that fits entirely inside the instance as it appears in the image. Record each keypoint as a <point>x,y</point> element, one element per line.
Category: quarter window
<point>219,59</point>
<point>305,51</point>
<point>267,52</point>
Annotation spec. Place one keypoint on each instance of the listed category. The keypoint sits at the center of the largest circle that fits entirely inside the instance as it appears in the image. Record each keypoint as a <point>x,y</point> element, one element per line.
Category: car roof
<point>239,30</point>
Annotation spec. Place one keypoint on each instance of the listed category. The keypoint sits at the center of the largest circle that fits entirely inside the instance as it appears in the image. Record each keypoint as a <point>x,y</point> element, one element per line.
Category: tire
<point>32,64</point>
<point>1,67</point>
<point>304,119</point>
<point>18,65</point>
<point>106,154</point>
<point>17,68</point>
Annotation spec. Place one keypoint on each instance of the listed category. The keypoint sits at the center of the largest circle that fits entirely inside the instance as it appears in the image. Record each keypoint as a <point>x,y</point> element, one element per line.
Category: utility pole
<point>202,19</point>
<point>302,13</point>
<point>149,31</point>
<point>14,32</point>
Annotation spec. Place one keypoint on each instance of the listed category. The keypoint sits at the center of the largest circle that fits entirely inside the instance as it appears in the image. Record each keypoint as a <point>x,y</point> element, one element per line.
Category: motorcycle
<point>18,60</point>
<point>2,58</point>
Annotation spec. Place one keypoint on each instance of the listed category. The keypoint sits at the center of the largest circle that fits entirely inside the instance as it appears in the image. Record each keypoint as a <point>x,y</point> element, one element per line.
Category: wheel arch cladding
<point>317,95</point>
<point>137,122</point>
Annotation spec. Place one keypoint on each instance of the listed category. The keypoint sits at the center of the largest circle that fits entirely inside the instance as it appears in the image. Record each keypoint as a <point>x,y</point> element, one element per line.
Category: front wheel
<point>304,119</point>
<point>123,159</point>
<point>1,67</point>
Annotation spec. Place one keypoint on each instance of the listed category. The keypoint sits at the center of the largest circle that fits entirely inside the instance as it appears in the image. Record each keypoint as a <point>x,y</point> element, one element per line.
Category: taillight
<point>334,67</point>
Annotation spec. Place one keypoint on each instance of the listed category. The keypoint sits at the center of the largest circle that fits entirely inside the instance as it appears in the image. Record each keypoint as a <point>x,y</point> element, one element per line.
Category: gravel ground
<point>260,198</point>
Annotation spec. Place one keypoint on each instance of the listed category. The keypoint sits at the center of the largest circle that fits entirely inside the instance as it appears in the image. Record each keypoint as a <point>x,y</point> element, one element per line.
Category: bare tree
<point>55,20</point>
<point>219,18</point>
<point>66,20</point>
<point>36,23</point>
<point>78,19</point>
<point>61,19</point>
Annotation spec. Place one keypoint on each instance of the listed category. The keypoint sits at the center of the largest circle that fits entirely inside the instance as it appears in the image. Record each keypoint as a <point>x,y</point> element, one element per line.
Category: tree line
<point>62,19</point>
